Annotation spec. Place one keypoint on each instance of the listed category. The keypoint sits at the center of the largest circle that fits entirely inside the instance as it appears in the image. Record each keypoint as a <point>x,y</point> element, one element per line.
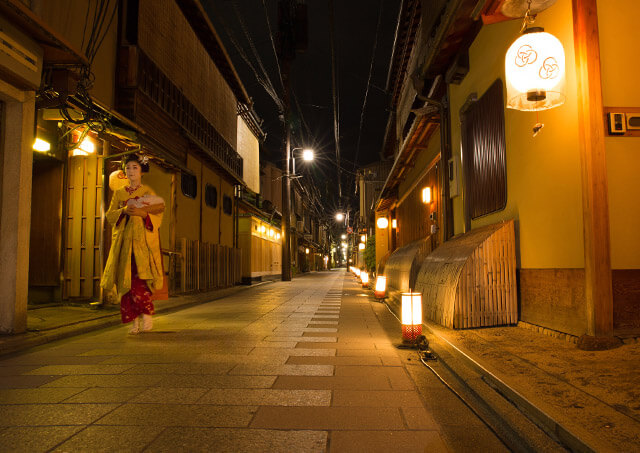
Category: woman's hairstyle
<point>143,161</point>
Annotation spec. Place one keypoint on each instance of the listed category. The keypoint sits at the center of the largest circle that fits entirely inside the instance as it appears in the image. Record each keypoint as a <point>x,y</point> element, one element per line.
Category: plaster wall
<point>617,22</point>
<point>188,209</point>
<point>544,192</point>
<point>249,149</point>
<point>159,180</point>
<point>210,216</point>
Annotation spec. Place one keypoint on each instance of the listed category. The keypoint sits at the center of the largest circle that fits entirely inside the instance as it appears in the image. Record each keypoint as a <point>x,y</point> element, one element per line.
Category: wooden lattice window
<point>211,196</point>
<point>189,185</point>
<point>483,154</point>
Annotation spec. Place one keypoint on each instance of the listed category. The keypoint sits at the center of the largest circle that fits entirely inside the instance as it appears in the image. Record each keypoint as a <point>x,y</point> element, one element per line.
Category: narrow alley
<point>302,366</point>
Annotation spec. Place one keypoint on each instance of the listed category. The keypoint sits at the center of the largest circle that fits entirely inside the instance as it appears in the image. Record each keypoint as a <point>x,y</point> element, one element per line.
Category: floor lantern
<point>381,287</point>
<point>364,278</point>
<point>411,316</point>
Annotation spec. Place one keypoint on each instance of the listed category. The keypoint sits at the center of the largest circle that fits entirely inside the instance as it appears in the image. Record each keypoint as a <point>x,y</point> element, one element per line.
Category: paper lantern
<point>364,278</point>
<point>381,287</point>
<point>535,71</point>
<point>382,223</point>
<point>426,195</point>
<point>361,246</point>
<point>411,316</point>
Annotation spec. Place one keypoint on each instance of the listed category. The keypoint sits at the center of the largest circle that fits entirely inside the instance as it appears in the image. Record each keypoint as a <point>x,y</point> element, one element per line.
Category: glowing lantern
<point>426,195</point>
<point>364,278</point>
<point>381,287</point>
<point>394,223</point>
<point>535,71</point>
<point>357,272</point>
<point>382,223</point>
<point>41,145</point>
<point>411,316</point>
<point>306,251</point>
<point>361,246</point>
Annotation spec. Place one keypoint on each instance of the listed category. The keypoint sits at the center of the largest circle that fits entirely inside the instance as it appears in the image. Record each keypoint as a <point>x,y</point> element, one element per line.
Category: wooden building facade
<point>566,185</point>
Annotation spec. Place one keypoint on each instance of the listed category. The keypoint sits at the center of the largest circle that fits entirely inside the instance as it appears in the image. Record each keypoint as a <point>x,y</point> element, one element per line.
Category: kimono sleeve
<point>115,211</point>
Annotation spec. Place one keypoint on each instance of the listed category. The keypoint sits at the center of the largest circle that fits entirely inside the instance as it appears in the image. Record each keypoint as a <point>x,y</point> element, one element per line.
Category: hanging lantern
<point>411,316</point>
<point>381,287</point>
<point>382,223</point>
<point>535,71</point>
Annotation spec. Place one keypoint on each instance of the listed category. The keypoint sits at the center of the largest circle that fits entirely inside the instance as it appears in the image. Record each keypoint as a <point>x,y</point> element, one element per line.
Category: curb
<point>529,409</point>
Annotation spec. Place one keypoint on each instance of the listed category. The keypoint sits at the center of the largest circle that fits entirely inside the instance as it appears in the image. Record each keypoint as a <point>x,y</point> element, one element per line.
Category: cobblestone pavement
<point>301,366</point>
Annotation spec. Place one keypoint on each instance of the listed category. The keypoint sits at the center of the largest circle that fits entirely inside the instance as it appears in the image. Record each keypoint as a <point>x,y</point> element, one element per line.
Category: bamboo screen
<point>483,154</point>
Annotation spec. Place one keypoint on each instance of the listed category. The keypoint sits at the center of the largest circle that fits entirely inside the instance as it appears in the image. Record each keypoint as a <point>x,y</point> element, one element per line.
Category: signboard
<point>349,230</point>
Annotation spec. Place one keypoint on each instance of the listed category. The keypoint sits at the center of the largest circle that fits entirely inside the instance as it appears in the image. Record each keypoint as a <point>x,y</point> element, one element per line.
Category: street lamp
<point>307,155</point>
<point>339,217</point>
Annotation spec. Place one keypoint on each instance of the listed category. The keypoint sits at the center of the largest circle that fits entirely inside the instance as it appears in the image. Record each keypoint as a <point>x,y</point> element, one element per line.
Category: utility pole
<point>292,36</point>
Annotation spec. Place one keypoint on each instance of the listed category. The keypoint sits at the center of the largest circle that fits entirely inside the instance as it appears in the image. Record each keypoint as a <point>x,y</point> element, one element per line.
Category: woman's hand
<point>130,210</point>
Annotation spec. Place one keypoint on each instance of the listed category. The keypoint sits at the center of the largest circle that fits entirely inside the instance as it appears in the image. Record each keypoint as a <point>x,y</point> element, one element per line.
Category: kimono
<point>134,264</point>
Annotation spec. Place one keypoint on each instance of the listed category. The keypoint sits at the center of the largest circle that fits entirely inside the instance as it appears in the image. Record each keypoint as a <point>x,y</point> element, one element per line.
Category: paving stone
<point>267,397</point>
<point>387,441</point>
<point>311,339</point>
<point>28,439</point>
<point>36,395</point>
<point>111,438</point>
<point>419,418</point>
<point>332,382</point>
<point>373,398</point>
<point>331,418</point>
<point>21,382</point>
<point>182,368</point>
<point>114,380</point>
<point>16,370</point>
<point>222,440</point>
<point>304,343</point>
<point>286,352</point>
<point>179,415</point>
<point>213,381</point>
<point>66,370</point>
<point>105,395</point>
<point>52,414</point>
<point>324,323</point>
<point>171,395</point>
<point>282,370</point>
<point>332,360</point>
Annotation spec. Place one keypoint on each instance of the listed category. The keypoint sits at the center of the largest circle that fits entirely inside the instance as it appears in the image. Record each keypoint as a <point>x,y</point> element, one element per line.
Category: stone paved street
<point>302,366</point>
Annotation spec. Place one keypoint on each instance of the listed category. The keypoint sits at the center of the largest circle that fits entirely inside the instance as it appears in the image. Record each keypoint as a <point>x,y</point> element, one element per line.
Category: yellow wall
<point>159,180</point>
<point>249,149</point>
<point>67,17</point>
<point>226,220</point>
<point>188,209</point>
<point>210,216</point>
<point>383,244</point>
<point>620,67</point>
<point>261,250</point>
<point>544,191</point>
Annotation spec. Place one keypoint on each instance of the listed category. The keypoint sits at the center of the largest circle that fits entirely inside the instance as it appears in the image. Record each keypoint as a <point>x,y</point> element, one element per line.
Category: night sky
<point>242,24</point>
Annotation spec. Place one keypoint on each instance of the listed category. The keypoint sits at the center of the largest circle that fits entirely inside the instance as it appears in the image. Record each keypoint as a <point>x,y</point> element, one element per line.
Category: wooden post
<point>598,287</point>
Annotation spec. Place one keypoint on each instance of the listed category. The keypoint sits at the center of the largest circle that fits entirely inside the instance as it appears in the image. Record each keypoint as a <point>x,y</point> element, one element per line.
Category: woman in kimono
<point>134,264</point>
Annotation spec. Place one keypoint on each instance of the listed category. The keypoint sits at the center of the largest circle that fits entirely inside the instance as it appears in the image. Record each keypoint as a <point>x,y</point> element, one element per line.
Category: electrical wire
<point>446,384</point>
<point>366,92</point>
<point>273,44</point>
<point>335,94</point>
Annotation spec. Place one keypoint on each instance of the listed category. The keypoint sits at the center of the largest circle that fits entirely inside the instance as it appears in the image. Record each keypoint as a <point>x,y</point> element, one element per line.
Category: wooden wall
<point>166,36</point>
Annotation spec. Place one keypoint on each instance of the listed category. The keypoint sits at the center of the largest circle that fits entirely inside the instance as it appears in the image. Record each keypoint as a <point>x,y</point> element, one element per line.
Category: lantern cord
<point>425,354</point>
<point>528,18</point>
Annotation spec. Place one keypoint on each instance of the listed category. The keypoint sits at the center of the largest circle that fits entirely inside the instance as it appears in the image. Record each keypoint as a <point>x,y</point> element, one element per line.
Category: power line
<point>335,94</point>
<point>366,92</point>
<point>273,44</point>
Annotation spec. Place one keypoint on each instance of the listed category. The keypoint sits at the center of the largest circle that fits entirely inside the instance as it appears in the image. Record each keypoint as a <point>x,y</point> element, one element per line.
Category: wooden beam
<point>598,287</point>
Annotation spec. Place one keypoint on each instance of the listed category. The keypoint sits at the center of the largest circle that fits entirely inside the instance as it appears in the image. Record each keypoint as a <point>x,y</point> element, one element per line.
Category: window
<point>483,154</point>
<point>226,204</point>
<point>211,196</point>
<point>189,185</point>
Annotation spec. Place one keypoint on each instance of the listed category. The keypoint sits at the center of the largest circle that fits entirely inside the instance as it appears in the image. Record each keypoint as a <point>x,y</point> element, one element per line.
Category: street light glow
<point>344,236</point>
<point>339,217</point>
<point>307,154</point>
